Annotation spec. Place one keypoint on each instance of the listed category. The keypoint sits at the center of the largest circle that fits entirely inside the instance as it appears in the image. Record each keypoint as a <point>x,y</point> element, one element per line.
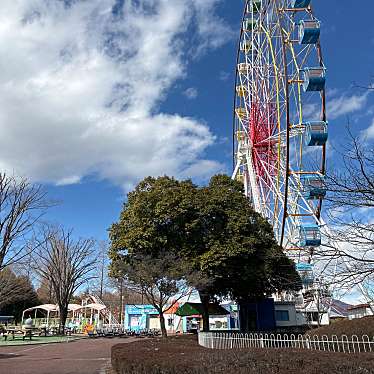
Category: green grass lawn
<point>37,340</point>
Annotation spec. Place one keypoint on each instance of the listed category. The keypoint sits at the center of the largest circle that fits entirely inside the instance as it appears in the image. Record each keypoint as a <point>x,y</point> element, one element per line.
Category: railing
<point>107,313</point>
<point>345,344</point>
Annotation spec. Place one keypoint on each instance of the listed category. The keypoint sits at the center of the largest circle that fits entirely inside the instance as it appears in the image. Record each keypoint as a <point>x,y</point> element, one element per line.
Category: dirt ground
<point>183,355</point>
<point>359,327</point>
<point>85,356</point>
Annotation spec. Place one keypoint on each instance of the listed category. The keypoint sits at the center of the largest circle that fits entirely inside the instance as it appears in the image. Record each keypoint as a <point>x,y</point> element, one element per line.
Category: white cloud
<point>311,111</point>
<point>213,31</point>
<point>224,76</point>
<point>369,132</point>
<point>337,105</point>
<point>342,105</point>
<point>191,93</point>
<point>80,87</point>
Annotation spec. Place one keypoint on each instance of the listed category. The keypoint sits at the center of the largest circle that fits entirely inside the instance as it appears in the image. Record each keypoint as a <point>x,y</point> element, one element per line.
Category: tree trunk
<point>162,324</point>
<point>63,317</point>
<point>205,314</point>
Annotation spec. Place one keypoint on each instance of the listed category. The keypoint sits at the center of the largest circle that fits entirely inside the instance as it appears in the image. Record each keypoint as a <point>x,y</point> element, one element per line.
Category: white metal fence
<point>352,344</point>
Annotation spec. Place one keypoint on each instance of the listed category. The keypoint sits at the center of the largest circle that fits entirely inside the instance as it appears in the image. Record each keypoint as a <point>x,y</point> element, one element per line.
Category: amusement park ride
<point>280,127</point>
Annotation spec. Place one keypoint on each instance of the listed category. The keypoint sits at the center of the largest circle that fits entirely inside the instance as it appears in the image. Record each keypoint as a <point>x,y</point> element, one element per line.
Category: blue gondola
<point>310,236</point>
<point>309,32</point>
<point>302,266</point>
<point>300,3</point>
<point>306,273</point>
<point>314,79</point>
<point>313,186</point>
<point>316,133</point>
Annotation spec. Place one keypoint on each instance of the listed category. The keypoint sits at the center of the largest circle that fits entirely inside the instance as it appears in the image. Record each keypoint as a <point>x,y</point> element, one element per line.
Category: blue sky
<point>96,99</point>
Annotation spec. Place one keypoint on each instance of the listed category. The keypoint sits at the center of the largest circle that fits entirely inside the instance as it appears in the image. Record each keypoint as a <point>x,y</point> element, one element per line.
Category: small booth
<point>172,321</point>
<point>219,317</point>
<point>141,317</point>
<point>146,317</point>
<point>314,79</point>
<point>257,315</point>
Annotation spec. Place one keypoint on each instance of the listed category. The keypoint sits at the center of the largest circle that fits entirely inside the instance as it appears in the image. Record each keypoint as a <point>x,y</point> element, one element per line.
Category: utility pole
<point>103,254</point>
<point>121,301</point>
<point>102,278</point>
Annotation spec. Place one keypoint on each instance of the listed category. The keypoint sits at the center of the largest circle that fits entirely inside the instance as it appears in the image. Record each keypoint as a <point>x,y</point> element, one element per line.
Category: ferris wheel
<point>280,125</point>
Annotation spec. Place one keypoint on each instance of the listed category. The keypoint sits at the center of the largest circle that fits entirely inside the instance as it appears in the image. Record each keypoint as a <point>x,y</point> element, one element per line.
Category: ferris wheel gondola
<point>280,125</point>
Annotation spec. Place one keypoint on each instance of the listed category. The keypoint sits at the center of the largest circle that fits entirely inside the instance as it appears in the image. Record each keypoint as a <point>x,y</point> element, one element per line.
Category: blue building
<point>141,317</point>
<point>257,316</point>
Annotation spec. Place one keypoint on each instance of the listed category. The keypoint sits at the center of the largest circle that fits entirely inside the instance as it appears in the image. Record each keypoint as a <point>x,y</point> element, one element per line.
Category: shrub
<point>182,355</point>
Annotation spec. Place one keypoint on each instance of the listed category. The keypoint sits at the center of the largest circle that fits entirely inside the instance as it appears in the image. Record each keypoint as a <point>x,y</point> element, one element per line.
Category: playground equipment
<point>84,318</point>
<point>50,314</point>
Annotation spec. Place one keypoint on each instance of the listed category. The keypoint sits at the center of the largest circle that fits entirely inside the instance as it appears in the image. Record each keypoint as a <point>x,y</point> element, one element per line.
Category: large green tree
<point>147,243</point>
<point>236,247</point>
<point>213,228</point>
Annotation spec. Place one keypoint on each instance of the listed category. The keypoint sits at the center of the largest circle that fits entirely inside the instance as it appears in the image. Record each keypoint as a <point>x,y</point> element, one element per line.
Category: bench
<point>17,332</point>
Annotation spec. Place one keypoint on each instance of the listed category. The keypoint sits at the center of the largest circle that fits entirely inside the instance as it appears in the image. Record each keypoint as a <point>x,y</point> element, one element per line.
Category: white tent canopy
<point>75,308</point>
<point>46,307</point>
<point>53,308</point>
<point>49,308</point>
<point>95,306</point>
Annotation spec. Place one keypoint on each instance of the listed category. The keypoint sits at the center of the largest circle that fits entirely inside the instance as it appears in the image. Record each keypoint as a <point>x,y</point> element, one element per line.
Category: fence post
<point>307,343</point>
<point>240,341</point>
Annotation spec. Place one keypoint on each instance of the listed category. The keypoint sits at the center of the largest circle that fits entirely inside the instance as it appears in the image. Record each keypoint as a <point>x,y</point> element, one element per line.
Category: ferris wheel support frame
<point>246,151</point>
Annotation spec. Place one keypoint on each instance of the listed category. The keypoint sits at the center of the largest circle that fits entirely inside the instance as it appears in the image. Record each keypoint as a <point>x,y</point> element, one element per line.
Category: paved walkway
<point>86,356</point>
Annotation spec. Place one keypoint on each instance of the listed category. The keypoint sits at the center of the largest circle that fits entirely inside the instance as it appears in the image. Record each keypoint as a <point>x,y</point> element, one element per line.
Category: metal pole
<point>121,302</point>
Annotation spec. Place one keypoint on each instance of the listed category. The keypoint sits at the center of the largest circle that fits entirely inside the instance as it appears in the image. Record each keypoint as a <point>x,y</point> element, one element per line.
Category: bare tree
<point>22,204</point>
<point>66,263</point>
<point>348,255</point>
<point>117,295</point>
<point>45,292</point>
<point>162,281</point>
<point>99,284</point>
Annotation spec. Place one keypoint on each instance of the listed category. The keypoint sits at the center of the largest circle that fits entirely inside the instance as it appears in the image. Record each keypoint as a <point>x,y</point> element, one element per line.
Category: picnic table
<point>13,331</point>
